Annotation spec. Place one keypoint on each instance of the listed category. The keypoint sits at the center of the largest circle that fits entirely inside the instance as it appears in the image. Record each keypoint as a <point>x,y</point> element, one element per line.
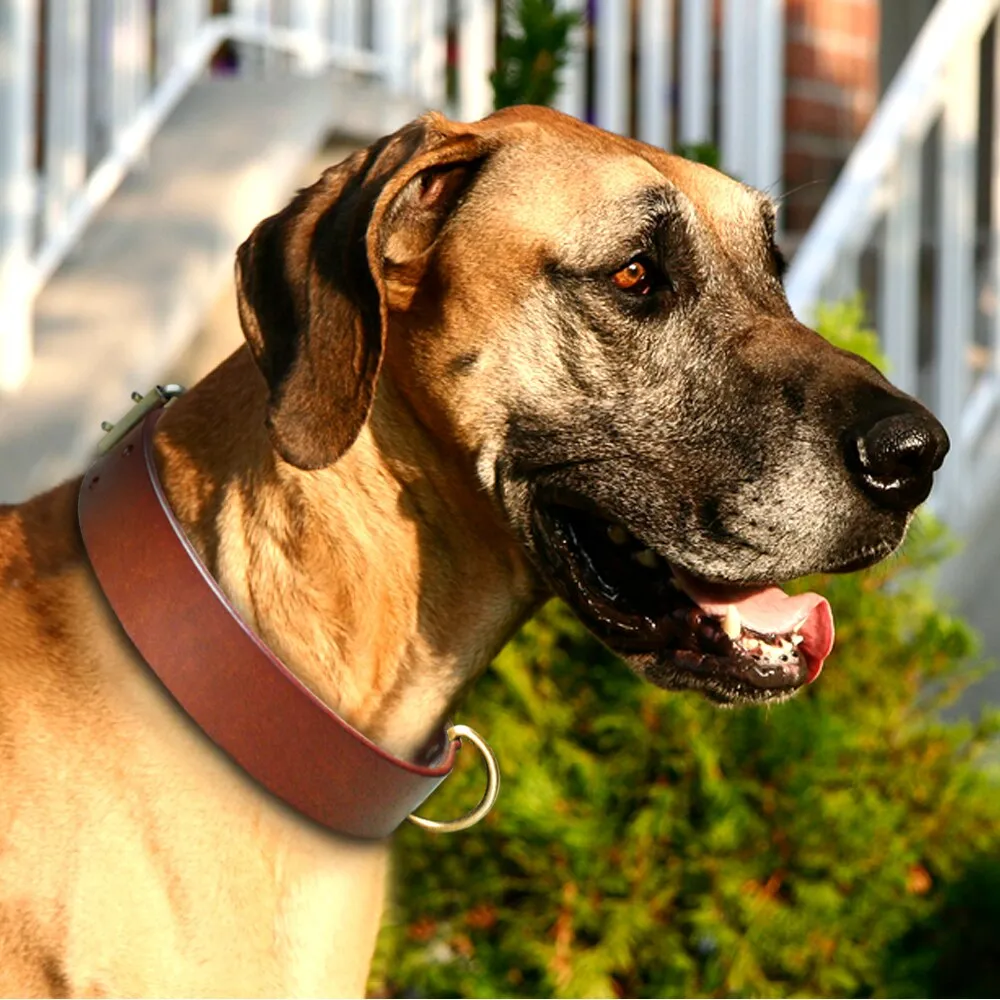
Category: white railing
<point>914,223</point>
<point>670,102</point>
<point>85,84</point>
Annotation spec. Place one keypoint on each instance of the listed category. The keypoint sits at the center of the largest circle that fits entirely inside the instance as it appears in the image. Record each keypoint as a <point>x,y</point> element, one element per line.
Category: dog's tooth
<point>732,624</point>
<point>617,534</point>
<point>647,558</point>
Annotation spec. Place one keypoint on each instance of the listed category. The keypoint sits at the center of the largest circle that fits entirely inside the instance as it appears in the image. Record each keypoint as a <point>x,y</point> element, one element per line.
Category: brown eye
<point>633,277</point>
<point>640,276</point>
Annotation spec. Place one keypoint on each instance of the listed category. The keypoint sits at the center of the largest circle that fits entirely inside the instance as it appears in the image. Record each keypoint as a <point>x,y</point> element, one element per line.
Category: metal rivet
<point>136,397</point>
<point>107,426</point>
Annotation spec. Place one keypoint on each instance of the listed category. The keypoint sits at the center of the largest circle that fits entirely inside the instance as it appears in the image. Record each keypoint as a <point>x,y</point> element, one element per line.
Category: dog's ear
<point>311,280</point>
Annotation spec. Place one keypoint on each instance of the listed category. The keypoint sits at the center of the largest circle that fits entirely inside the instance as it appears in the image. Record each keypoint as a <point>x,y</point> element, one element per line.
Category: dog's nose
<point>895,459</point>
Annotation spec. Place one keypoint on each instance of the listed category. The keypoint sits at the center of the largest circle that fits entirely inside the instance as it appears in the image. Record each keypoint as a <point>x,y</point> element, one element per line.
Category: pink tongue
<point>770,610</point>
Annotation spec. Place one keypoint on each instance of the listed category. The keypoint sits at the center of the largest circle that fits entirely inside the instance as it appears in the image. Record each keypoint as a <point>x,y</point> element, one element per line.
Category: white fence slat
<point>18,34</point>
<point>192,15</point>
<point>476,58</point>
<point>166,37</point>
<point>995,207</point>
<point>432,52</point>
<point>65,166</point>
<point>765,147</point>
<point>252,60</point>
<point>572,95</point>
<point>347,23</point>
<point>612,97</point>
<point>954,319</point>
<point>392,41</point>
<point>139,27</point>
<point>898,299</point>
<point>696,71</point>
<point>311,17</point>
<point>738,97</point>
<point>656,50</point>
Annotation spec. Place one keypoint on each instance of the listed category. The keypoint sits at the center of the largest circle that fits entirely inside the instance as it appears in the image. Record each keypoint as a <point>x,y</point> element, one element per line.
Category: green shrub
<point>649,844</point>
<point>534,45</point>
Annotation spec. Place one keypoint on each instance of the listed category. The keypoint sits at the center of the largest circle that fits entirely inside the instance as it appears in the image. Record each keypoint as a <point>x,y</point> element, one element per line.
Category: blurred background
<point>845,844</point>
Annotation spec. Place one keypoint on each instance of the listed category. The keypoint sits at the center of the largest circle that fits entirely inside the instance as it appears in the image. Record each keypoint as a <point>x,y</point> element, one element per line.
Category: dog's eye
<point>640,276</point>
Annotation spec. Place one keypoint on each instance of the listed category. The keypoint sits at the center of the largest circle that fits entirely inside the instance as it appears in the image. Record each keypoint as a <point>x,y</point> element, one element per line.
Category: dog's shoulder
<point>40,551</point>
<point>39,537</point>
<point>46,597</point>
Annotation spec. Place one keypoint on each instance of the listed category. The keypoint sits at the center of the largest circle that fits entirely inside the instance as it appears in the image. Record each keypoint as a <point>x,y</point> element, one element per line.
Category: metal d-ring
<point>489,796</point>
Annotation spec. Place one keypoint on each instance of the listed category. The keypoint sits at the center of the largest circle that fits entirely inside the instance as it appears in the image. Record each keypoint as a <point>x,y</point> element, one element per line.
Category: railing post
<point>433,52</point>
<point>656,75</point>
<point>696,71</point>
<point>311,18</point>
<point>129,43</point>
<point>347,22</point>
<point>571,98</point>
<point>994,250</point>
<point>476,58</point>
<point>955,314</point>
<point>611,40</point>
<point>766,167</point>
<point>66,109</point>
<point>392,41</point>
<point>738,92</point>
<point>898,302</point>
<point>254,61</point>
<point>18,34</point>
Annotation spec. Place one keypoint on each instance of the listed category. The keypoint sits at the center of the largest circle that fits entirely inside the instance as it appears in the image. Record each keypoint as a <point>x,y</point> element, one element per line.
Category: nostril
<point>894,451</point>
<point>897,456</point>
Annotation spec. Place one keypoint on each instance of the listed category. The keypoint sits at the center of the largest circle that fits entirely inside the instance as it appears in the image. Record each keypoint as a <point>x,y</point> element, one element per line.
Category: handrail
<point>912,101</point>
<point>925,251</point>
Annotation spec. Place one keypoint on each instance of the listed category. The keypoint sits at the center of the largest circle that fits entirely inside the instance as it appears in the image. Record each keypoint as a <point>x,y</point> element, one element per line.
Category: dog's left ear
<point>311,280</point>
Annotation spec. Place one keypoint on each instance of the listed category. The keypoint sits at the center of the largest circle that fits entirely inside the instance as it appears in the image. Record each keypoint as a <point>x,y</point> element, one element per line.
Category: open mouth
<point>736,643</point>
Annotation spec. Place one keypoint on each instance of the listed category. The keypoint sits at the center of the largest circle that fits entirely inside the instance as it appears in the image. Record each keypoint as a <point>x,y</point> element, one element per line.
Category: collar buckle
<point>158,396</point>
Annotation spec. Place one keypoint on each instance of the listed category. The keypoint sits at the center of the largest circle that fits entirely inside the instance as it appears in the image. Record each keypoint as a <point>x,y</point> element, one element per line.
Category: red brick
<point>802,115</point>
<point>815,61</point>
<point>801,60</point>
<point>865,21</point>
<point>851,17</point>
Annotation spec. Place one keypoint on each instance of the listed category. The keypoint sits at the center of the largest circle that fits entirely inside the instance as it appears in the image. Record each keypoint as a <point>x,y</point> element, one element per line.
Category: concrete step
<point>137,287</point>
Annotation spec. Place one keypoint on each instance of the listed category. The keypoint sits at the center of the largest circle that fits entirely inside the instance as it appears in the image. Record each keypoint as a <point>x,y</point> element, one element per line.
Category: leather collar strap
<point>240,694</point>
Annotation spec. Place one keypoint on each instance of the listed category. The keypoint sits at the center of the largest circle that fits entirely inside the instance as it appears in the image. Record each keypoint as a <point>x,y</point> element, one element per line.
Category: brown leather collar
<point>240,694</point>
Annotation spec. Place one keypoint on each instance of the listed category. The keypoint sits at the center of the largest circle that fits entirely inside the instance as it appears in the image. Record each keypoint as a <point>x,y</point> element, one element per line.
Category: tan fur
<point>134,859</point>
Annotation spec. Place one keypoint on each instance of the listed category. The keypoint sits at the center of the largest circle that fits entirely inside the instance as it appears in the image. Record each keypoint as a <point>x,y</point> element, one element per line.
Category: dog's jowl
<point>484,363</point>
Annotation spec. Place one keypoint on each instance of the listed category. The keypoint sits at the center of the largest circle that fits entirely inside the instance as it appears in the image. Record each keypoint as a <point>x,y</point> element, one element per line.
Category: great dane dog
<point>485,363</point>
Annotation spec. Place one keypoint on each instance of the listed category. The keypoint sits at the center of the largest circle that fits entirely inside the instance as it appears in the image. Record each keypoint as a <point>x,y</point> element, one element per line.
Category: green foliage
<point>846,325</point>
<point>534,46</point>
<point>649,844</point>
<point>700,152</point>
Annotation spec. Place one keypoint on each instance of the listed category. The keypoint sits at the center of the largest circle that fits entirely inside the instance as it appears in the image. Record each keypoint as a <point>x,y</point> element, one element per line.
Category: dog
<point>485,364</point>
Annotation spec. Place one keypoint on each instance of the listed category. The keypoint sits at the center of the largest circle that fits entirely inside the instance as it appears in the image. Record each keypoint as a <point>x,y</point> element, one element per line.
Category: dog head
<point>599,330</point>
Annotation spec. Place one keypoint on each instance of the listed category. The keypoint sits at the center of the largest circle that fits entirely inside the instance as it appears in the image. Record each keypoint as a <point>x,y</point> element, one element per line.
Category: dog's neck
<point>383,585</point>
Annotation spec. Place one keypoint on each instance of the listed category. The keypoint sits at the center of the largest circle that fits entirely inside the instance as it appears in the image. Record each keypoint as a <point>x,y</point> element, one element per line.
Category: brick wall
<point>832,87</point>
